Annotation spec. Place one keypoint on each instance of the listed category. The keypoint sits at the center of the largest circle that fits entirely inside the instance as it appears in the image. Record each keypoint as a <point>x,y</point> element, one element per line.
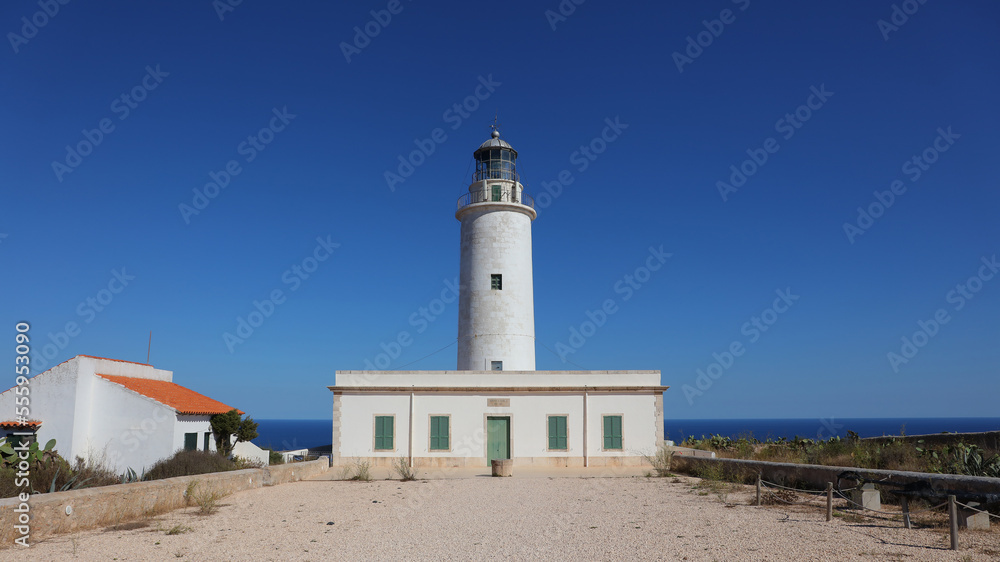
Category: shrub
<point>402,467</point>
<point>661,460</point>
<point>186,463</point>
<point>358,470</point>
<point>208,502</point>
<point>240,463</point>
<point>274,457</point>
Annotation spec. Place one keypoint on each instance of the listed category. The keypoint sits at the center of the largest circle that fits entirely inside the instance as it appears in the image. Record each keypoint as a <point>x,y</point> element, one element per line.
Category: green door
<point>497,438</point>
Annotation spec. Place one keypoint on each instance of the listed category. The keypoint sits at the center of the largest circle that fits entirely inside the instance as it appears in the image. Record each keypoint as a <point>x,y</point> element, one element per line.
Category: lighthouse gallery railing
<point>505,196</point>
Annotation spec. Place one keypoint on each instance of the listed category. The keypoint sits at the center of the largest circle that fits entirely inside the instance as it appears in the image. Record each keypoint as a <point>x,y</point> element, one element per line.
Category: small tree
<point>225,426</point>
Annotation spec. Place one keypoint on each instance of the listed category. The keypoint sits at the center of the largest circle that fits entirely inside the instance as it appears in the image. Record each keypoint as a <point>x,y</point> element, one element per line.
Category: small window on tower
<point>496,282</point>
<point>496,365</point>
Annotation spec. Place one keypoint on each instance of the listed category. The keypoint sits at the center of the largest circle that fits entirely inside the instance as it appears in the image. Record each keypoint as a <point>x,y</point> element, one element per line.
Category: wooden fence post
<point>905,504</point>
<point>758,490</point>
<point>953,515</point>
<point>829,501</point>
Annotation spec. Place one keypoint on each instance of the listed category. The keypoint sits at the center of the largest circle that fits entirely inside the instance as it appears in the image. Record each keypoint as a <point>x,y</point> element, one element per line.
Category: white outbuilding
<point>128,415</point>
<point>496,405</point>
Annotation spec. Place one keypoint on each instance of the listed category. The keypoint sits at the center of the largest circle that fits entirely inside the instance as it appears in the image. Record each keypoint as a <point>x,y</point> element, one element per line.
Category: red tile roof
<point>18,425</point>
<point>184,400</point>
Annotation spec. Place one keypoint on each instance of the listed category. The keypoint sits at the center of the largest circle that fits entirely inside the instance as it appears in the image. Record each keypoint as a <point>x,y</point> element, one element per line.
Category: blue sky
<point>118,115</point>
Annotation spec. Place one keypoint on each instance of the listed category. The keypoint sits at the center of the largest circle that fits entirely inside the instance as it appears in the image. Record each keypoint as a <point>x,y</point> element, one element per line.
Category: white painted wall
<point>529,422</point>
<point>358,429</point>
<point>53,402</point>
<point>496,325</point>
<point>192,424</point>
<point>638,424</point>
<point>132,431</point>
<point>492,379</point>
<point>246,450</point>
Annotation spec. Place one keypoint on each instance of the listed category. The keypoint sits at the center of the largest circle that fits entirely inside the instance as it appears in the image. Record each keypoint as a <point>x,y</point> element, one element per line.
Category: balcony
<point>504,196</point>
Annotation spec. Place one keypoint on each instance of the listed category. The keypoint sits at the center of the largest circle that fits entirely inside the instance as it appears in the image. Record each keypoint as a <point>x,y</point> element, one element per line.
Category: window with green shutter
<point>613,432</point>
<point>190,441</point>
<point>496,192</point>
<point>557,433</point>
<point>384,433</point>
<point>439,433</point>
<point>208,440</point>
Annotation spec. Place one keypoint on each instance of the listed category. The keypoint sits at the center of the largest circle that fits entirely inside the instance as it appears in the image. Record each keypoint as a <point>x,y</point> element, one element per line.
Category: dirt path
<point>513,518</point>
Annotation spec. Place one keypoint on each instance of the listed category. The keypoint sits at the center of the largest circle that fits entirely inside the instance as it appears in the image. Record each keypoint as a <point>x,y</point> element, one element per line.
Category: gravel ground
<point>514,518</point>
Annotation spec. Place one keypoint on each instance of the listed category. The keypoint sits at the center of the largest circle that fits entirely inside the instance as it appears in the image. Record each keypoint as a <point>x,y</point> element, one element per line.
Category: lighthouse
<point>496,317</point>
<point>496,407</point>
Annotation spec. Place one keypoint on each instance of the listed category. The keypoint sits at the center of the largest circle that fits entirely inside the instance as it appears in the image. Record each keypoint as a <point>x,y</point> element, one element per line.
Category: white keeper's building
<point>118,413</point>
<point>496,405</point>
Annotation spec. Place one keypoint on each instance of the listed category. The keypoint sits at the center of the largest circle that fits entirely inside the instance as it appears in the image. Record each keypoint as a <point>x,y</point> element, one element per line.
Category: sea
<point>284,435</point>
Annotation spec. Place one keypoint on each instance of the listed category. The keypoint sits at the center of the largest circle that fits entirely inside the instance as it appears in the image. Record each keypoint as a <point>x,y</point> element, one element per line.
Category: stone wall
<point>66,512</point>
<point>989,440</point>
<point>815,477</point>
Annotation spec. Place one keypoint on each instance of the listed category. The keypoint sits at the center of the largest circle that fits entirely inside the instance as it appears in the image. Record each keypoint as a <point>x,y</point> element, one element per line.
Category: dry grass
<point>179,529</point>
<point>403,469</point>
<point>358,471</point>
<point>208,502</point>
<point>661,460</point>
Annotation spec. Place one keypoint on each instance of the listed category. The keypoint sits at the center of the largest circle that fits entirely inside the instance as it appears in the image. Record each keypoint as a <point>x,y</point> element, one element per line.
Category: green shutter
<point>439,433</point>
<point>383,433</point>
<point>190,441</point>
<point>208,439</point>
<point>612,432</point>
<point>557,433</point>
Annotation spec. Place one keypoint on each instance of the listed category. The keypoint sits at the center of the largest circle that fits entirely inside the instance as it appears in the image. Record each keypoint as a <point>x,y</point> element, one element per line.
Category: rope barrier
<point>977,510</point>
<point>911,512</point>
<point>775,496</point>
<point>796,490</point>
<point>807,502</point>
<point>767,485</point>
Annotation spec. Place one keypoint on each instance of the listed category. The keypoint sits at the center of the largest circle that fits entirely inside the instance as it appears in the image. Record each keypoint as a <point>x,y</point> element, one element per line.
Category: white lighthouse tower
<point>496,317</point>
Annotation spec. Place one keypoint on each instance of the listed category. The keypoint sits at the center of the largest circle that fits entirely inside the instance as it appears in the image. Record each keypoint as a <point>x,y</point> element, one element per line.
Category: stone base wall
<point>480,462</point>
<point>76,510</point>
